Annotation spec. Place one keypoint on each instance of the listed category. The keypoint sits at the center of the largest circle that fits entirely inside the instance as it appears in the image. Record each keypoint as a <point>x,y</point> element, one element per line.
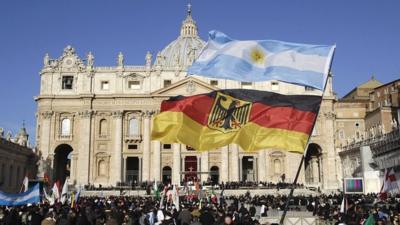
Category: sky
<point>366,32</point>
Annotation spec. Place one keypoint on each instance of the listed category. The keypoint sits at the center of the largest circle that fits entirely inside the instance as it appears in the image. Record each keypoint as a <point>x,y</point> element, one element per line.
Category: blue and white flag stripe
<point>29,197</point>
<point>262,60</point>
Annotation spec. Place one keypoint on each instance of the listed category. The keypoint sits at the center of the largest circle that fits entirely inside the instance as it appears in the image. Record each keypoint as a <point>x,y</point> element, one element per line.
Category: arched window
<point>134,127</point>
<point>66,127</point>
<point>103,127</point>
<point>277,166</point>
<point>102,168</point>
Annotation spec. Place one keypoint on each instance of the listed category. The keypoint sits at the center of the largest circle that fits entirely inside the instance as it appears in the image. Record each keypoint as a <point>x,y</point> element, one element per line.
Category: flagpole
<point>305,150</point>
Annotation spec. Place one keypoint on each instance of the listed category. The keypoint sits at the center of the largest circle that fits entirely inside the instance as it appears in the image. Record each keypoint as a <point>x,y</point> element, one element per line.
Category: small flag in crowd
<point>64,193</point>
<point>389,184</point>
<point>25,184</point>
<point>56,191</point>
<point>156,192</point>
<point>343,206</point>
<point>175,197</point>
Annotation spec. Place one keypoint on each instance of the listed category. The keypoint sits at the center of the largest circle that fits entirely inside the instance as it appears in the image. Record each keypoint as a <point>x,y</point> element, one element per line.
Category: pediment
<point>134,76</point>
<point>185,87</point>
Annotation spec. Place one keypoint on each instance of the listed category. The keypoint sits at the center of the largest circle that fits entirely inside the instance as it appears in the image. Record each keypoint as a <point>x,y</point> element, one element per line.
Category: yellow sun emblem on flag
<point>257,56</point>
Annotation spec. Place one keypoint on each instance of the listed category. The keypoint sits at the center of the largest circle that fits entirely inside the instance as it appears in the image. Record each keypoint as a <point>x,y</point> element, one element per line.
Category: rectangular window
<point>105,85</point>
<point>67,82</point>
<point>132,147</point>
<point>167,146</point>
<point>134,84</point>
<point>246,85</point>
<point>275,86</point>
<point>167,83</point>
<point>214,83</point>
<point>308,88</point>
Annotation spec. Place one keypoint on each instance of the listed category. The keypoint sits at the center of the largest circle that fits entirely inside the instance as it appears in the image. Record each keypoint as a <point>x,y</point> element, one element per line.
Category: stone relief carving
<point>191,87</point>
<point>330,115</point>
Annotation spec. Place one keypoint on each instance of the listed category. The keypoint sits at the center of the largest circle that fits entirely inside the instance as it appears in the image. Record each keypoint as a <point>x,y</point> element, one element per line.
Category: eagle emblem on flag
<point>228,114</point>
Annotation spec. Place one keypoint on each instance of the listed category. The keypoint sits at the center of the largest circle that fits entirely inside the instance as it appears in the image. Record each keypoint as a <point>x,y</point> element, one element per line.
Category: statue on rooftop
<point>90,60</point>
<point>120,59</point>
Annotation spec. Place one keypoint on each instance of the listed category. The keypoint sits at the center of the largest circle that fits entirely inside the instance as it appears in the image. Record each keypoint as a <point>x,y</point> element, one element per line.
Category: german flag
<point>252,119</point>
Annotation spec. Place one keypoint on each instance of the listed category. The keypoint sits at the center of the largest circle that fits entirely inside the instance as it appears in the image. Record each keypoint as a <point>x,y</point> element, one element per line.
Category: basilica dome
<point>182,51</point>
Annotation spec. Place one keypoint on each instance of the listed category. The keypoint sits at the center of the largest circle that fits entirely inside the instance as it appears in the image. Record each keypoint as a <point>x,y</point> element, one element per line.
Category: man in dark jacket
<point>206,217</point>
<point>185,216</point>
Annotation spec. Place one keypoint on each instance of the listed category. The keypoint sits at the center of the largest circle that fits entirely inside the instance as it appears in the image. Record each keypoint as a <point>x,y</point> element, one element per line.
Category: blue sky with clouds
<point>367,35</point>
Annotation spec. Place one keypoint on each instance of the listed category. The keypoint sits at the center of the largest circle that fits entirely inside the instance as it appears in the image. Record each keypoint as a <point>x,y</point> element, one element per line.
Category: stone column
<point>84,147</point>
<point>204,166</point>
<point>72,177</point>
<point>140,178</point>
<point>146,147</point>
<point>156,163</point>
<point>116,166</point>
<point>255,169</point>
<point>234,170</point>
<point>241,168</point>
<point>262,168</point>
<point>176,164</point>
<point>224,170</point>
<point>45,130</point>
<point>124,169</point>
<point>315,169</point>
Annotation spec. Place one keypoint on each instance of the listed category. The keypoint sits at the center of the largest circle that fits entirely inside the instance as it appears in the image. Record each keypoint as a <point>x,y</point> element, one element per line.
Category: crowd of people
<point>262,185</point>
<point>207,210</point>
<point>223,185</point>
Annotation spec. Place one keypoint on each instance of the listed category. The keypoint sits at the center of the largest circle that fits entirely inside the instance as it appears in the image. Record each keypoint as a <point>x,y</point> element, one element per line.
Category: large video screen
<point>354,186</point>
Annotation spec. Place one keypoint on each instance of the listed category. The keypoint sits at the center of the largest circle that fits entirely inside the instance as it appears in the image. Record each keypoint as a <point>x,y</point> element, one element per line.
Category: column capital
<point>47,114</point>
<point>117,114</point>
<point>86,113</point>
<point>148,113</point>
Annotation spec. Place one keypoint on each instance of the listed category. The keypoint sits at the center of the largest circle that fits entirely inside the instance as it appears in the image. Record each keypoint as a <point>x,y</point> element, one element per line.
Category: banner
<point>31,196</point>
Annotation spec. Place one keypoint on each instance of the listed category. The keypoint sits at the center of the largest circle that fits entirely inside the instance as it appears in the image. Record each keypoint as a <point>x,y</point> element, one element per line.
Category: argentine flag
<point>263,60</point>
<point>30,196</point>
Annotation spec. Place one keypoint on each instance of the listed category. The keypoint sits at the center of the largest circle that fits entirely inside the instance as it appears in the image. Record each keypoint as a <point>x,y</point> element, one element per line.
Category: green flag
<point>156,192</point>
<point>370,220</point>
